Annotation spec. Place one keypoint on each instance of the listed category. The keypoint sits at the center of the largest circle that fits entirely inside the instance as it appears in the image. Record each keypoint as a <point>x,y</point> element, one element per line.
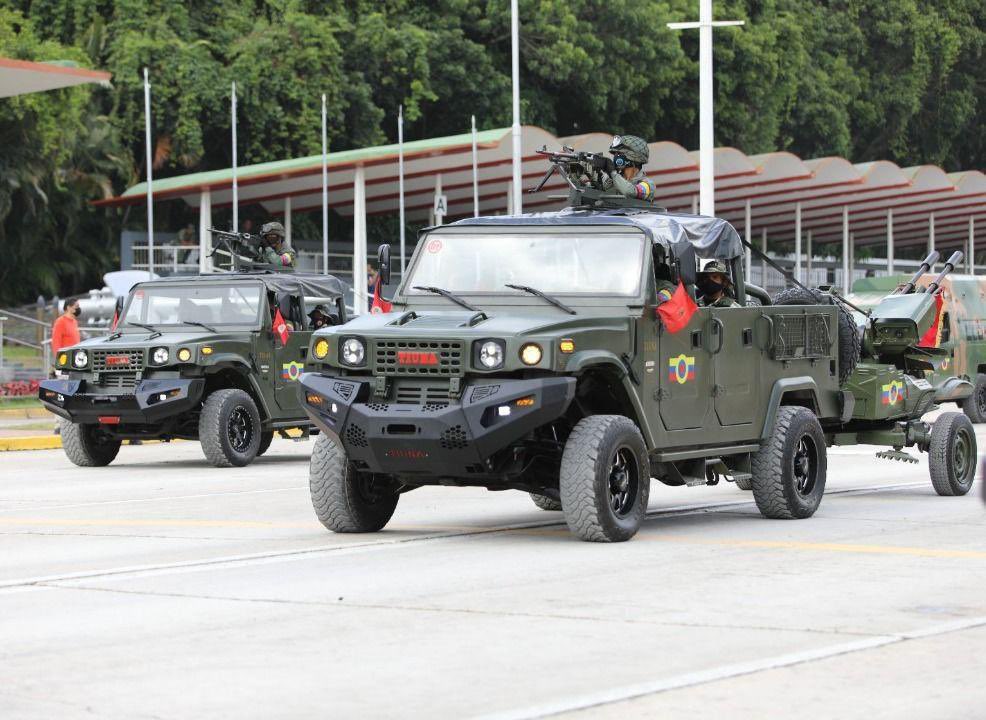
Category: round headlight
<point>159,356</point>
<point>530,354</point>
<point>353,352</point>
<point>491,355</point>
<point>321,349</point>
<point>80,358</point>
<point>62,359</point>
<point>184,354</point>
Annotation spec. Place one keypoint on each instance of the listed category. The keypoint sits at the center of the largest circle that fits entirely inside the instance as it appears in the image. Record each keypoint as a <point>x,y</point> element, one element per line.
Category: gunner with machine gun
<point>272,248</point>
<point>625,172</point>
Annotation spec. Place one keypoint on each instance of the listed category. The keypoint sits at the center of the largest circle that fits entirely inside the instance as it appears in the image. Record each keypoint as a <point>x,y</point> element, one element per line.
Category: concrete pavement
<point>160,587</point>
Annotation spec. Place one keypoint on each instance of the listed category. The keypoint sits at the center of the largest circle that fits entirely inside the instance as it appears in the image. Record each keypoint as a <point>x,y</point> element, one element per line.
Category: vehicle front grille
<point>117,360</point>
<point>418,357</point>
<point>432,395</point>
<point>801,336</point>
<point>121,380</point>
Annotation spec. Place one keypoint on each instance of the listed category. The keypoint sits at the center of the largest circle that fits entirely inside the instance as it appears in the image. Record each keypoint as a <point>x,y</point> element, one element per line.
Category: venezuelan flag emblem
<point>292,370</point>
<point>893,392</point>
<point>681,369</point>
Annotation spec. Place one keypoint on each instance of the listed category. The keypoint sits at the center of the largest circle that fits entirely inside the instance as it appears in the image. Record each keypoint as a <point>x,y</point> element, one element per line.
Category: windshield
<point>592,263</point>
<point>214,305</point>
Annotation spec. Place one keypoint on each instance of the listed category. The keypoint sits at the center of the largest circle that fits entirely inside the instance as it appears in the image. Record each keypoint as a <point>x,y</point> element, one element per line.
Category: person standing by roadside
<point>65,330</point>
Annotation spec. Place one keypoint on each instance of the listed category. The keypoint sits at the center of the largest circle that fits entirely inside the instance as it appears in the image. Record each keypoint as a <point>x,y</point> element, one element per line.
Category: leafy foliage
<point>863,78</point>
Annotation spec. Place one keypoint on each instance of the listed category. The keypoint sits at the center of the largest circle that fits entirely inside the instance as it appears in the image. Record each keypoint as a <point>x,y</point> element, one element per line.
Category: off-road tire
<point>952,454</point>
<point>744,483</point>
<point>544,502</point>
<point>339,495</point>
<point>266,439</point>
<point>87,445</point>
<point>223,412</point>
<point>776,486</point>
<point>974,406</point>
<point>588,474</point>
<point>848,344</point>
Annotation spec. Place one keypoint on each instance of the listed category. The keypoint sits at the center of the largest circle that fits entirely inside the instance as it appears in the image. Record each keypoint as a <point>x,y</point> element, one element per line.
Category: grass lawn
<point>19,402</point>
<point>20,354</point>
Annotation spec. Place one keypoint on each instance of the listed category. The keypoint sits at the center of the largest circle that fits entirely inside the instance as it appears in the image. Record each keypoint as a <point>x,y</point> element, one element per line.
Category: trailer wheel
<point>544,502</point>
<point>974,406</point>
<point>605,479</point>
<point>346,501</point>
<point>88,445</point>
<point>849,344</point>
<point>789,470</point>
<point>952,454</point>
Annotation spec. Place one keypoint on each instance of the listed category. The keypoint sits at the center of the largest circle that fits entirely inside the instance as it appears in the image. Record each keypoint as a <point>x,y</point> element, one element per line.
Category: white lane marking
<point>724,672</point>
<point>301,553</point>
<point>164,498</point>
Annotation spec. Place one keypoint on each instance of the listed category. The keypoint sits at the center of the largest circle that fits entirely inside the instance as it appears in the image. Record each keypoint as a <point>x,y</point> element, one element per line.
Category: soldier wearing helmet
<point>272,249</point>
<point>625,171</point>
<point>713,282</point>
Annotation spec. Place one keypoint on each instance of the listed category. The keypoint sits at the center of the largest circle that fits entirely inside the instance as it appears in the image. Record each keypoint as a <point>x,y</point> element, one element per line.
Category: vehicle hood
<point>134,341</point>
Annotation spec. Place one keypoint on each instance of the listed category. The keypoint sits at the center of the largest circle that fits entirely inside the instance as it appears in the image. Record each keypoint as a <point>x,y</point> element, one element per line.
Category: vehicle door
<point>685,373</point>
<point>289,356</point>
<point>736,357</point>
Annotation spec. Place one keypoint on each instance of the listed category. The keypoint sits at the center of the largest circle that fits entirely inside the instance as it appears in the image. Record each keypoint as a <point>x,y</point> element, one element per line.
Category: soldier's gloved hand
<point>603,163</point>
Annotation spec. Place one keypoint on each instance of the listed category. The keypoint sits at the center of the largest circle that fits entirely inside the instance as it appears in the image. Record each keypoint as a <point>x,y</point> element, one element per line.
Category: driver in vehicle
<point>714,284</point>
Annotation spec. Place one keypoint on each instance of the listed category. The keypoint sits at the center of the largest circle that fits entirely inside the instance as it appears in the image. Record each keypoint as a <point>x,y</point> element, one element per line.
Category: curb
<point>29,413</point>
<point>41,442</point>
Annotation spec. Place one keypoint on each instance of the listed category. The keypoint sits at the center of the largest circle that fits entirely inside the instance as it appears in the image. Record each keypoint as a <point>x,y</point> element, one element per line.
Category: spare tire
<point>848,333</point>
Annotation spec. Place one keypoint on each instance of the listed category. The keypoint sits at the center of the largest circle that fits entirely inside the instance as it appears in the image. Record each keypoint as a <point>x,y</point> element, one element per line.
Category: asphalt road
<point>162,588</point>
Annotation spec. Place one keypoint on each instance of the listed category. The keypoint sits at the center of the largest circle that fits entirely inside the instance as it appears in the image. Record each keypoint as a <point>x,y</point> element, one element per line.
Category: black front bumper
<point>432,440</point>
<point>150,402</point>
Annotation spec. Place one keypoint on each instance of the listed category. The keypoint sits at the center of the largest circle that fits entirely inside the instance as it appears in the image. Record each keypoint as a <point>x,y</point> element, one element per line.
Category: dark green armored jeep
<point>198,358</point>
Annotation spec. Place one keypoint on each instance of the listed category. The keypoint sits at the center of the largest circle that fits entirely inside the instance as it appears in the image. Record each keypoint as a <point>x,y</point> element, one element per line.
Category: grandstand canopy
<point>19,77</point>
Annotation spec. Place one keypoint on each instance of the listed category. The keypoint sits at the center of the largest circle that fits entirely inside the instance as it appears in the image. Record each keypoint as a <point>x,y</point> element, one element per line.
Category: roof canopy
<point>18,77</point>
<point>772,183</point>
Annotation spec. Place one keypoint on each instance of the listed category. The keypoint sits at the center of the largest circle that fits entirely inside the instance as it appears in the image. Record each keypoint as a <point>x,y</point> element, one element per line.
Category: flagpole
<point>325,195</point>
<point>475,173</point>
<point>236,196</point>
<point>150,188</point>
<point>400,177</point>
<point>515,83</point>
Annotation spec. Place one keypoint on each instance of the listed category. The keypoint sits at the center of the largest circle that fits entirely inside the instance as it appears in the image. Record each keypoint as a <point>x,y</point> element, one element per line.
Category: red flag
<point>932,338</point>
<point>379,305</point>
<point>677,312</point>
<point>281,328</point>
<point>116,319</point>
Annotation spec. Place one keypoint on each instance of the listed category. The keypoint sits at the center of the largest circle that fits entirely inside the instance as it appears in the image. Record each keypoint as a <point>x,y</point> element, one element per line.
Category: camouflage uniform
<point>724,300</point>
<point>279,255</point>
<point>632,149</point>
<point>665,290</point>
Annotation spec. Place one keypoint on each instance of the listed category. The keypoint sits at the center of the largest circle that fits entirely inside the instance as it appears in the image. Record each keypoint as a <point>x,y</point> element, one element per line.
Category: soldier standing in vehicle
<point>272,249</point>
<point>625,172</point>
<point>713,282</point>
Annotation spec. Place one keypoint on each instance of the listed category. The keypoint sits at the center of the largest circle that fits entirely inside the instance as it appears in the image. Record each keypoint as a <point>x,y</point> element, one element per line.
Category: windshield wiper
<point>446,294</point>
<point>154,331</point>
<point>544,296</point>
<point>200,324</point>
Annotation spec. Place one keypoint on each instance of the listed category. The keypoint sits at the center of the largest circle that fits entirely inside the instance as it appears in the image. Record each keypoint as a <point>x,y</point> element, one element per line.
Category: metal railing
<point>168,259</point>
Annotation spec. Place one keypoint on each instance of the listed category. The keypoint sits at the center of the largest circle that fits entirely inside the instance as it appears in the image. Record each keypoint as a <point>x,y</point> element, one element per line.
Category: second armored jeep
<point>195,358</point>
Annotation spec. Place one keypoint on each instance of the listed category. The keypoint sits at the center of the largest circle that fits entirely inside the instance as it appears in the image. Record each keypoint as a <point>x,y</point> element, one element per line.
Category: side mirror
<point>383,262</point>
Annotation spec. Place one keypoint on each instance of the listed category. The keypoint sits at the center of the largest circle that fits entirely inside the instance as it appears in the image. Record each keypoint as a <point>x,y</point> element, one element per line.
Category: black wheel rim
<point>624,482</point>
<point>963,459</point>
<point>370,489</point>
<point>981,399</point>
<point>805,466</point>
<point>239,429</point>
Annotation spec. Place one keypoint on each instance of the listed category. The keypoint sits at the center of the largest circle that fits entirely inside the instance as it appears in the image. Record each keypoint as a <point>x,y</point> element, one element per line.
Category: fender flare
<point>781,387</point>
<point>580,362</point>
<point>244,370</point>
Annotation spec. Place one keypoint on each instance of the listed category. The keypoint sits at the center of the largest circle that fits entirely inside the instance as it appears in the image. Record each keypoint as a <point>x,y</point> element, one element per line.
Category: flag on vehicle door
<point>281,328</point>
<point>677,312</point>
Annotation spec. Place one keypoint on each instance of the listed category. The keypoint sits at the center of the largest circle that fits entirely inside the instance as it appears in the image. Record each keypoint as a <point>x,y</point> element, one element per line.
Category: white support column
<point>797,242</point>
<point>931,233</point>
<point>359,241</point>
<point>287,222</point>
<point>852,260</point>
<point>694,204</point>
<point>890,241</point>
<point>510,198</point>
<point>846,283</point>
<point>205,237</point>
<point>748,234</point>
<point>808,256</point>
<point>515,131</point>
<point>439,218</point>
<point>475,172</point>
<point>236,192</point>
<point>971,262</point>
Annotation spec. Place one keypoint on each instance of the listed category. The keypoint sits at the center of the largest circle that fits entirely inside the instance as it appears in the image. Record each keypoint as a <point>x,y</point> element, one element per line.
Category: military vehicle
<point>196,358</point>
<point>529,353</point>
<point>962,331</point>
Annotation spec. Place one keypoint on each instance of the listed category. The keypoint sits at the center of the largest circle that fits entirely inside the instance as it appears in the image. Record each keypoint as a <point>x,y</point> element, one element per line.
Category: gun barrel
<point>925,267</point>
<point>950,264</point>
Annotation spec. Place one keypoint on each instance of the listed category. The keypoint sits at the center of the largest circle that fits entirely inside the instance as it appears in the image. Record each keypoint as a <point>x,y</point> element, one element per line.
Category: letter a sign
<point>441,208</point>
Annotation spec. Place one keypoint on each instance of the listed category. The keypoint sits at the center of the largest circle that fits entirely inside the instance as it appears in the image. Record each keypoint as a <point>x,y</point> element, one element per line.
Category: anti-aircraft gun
<point>584,172</point>
<point>239,252</point>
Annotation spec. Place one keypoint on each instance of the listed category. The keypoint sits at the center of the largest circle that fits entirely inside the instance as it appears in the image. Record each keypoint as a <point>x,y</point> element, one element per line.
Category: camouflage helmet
<point>273,228</point>
<point>631,147</point>
<point>716,266</point>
